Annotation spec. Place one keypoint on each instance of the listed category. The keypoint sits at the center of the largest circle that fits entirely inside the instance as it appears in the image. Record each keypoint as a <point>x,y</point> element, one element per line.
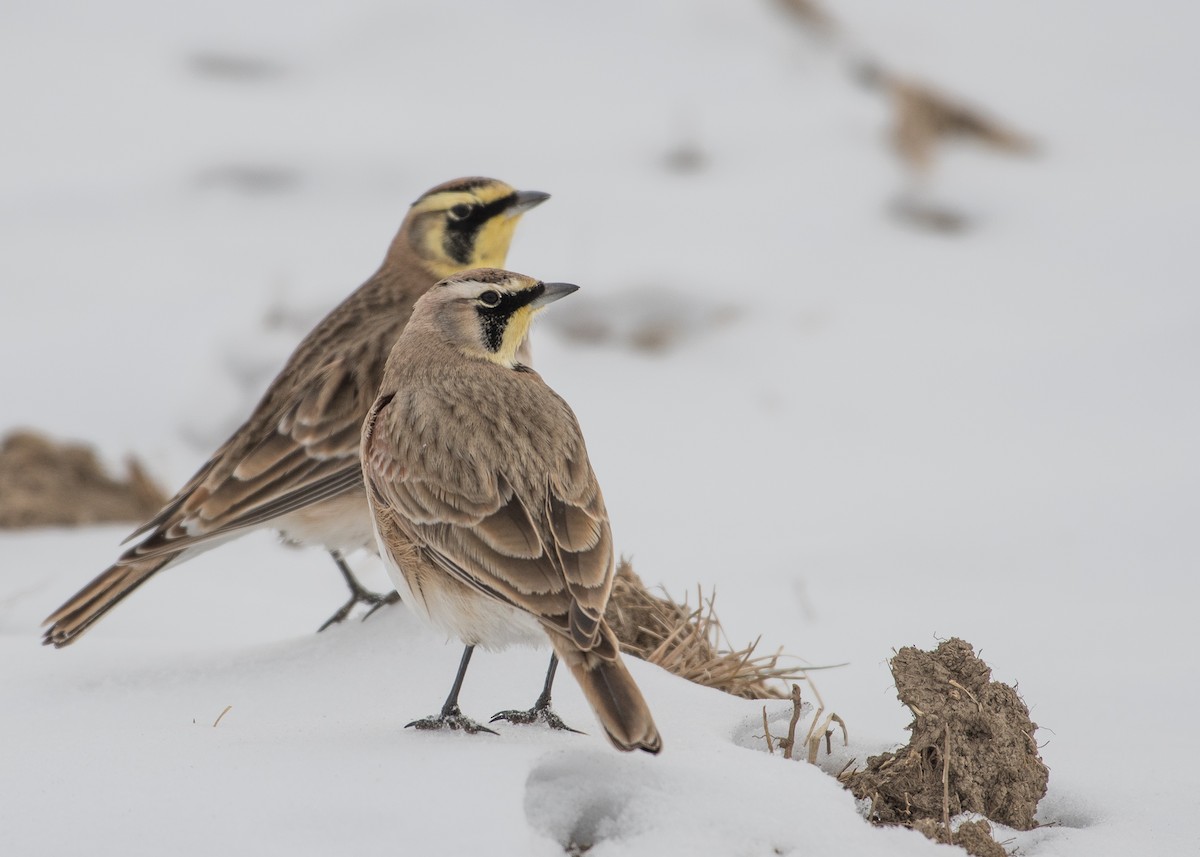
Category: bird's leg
<point>541,712</point>
<point>451,717</point>
<point>358,595</point>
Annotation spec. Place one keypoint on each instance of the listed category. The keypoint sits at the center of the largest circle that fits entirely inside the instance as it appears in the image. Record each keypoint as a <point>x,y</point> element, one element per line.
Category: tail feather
<point>89,604</point>
<point>612,693</point>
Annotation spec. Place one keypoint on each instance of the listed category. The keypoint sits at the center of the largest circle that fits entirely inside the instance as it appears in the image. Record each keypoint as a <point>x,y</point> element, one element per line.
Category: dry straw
<point>690,642</point>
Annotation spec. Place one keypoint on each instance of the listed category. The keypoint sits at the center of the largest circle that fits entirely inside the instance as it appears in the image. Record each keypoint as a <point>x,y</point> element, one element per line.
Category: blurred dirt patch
<point>650,319</point>
<point>686,157</point>
<point>249,178</point>
<point>929,215</point>
<point>972,747</point>
<point>45,483</point>
<point>809,14</point>
<point>238,68</point>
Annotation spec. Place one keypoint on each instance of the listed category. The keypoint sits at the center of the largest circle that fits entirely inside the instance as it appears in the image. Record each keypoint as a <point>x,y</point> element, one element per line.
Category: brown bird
<point>293,466</point>
<point>487,512</point>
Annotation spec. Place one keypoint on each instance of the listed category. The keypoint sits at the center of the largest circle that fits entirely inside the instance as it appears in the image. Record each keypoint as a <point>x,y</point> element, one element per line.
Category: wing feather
<point>544,546</point>
<point>299,447</point>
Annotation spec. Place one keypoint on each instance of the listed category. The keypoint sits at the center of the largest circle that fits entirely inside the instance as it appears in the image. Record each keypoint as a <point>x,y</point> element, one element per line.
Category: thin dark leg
<point>541,711</point>
<point>543,701</point>
<point>451,716</point>
<point>358,595</point>
<point>451,705</point>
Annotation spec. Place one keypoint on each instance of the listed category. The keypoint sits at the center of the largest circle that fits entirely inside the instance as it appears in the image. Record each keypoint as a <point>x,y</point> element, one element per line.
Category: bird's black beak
<point>552,292</point>
<point>523,200</point>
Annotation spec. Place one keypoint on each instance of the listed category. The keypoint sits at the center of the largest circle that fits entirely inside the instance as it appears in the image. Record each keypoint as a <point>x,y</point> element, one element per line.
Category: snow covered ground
<point>864,435</point>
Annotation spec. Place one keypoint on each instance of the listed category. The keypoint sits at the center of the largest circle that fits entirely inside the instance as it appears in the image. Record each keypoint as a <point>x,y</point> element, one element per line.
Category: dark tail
<point>612,692</point>
<point>87,605</point>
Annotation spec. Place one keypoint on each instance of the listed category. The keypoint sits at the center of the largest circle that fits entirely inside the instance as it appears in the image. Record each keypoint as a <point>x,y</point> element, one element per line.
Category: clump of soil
<point>44,483</point>
<point>974,836</point>
<point>972,747</point>
<point>687,641</point>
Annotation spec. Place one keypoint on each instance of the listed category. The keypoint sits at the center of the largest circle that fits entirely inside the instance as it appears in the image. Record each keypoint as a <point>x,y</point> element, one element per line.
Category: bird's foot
<point>390,598</point>
<point>358,595</point>
<point>540,713</point>
<point>451,719</point>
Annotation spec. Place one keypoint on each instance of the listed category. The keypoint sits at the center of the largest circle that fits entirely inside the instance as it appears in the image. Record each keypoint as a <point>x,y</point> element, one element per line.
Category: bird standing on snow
<point>293,465</point>
<point>487,512</point>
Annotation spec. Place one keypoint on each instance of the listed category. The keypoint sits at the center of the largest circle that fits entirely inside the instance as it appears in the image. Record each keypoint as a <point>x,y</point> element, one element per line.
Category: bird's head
<point>464,223</point>
<point>486,312</point>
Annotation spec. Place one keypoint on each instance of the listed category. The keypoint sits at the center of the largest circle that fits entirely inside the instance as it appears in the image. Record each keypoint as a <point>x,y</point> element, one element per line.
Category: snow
<point>865,436</point>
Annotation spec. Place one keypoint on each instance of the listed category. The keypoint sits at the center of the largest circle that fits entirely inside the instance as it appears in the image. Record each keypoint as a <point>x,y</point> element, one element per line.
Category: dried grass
<point>48,483</point>
<point>690,641</point>
<point>810,14</point>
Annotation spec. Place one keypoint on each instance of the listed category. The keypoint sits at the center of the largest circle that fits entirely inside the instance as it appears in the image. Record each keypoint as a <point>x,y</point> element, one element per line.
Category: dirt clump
<point>974,836</point>
<point>972,746</point>
<point>44,483</point>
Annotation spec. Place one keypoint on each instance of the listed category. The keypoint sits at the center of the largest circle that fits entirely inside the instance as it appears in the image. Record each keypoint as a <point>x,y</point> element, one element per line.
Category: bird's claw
<point>537,714</point>
<point>452,719</point>
<point>360,596</point>
<point>383,601</point>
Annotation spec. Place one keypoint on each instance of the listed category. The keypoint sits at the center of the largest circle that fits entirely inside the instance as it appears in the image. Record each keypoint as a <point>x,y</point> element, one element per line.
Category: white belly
<point>459,610</point>
<point>340,523</point>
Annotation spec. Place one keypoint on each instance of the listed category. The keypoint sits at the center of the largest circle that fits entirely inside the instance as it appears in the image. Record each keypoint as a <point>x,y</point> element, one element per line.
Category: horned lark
<point>293,465</point>
<point>487,512</point>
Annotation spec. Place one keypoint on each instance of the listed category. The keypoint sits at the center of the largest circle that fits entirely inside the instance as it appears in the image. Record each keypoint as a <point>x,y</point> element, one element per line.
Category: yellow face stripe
<point>491,241</point>
<point>446,200</point>
<point>514,334</point>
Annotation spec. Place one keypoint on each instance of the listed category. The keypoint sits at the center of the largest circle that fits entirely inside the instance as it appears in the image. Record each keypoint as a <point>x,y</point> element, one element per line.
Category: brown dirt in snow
<point>974,732</point>
<point>974,836</point>
<point>44,483</point>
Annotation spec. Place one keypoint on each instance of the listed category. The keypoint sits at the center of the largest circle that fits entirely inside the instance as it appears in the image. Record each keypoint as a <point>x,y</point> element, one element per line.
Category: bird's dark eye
<point>490,298</point>
<point>460,211</point>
